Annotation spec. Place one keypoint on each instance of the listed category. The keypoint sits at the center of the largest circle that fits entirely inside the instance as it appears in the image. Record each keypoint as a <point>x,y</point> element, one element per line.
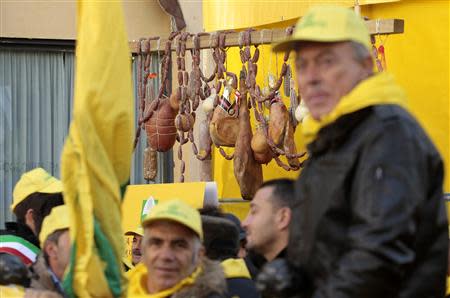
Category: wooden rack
<point>268,36</point>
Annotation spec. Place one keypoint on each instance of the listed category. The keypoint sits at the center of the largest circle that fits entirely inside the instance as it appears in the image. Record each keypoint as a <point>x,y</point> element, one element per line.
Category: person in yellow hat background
<point>136,252</point>
<point>48,270</point>
<point>34,196</point>
<point>370,219</point>
<point>173,263</point>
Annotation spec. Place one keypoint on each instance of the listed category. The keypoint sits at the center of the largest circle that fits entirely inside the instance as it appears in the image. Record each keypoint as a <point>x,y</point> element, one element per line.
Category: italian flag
<point>19,247</point>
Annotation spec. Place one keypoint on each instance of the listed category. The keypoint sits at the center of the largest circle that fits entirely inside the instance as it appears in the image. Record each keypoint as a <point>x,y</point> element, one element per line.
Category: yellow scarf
<point>235,268</point>
<point>376,90</point>
<point>127,263</point>
<point>137,286</point>
<point>448,286</point>
<point>11,291</point>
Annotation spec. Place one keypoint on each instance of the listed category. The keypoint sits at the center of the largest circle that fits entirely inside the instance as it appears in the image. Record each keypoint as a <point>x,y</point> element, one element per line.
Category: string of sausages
<point>184,121</point>
<point>196,92</point>
<point>220,57</point>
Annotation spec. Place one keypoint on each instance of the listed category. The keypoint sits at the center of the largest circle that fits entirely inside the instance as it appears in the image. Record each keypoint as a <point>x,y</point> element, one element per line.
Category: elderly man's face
<point>326,72</point>
<point>171,253</point>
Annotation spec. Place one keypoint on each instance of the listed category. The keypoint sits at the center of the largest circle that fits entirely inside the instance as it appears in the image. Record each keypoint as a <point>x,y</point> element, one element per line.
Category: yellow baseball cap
<point>58,219</point>
<point>327,24</point>
<point>138,231</point>
<point>36,180</point>
<point>177,211</point>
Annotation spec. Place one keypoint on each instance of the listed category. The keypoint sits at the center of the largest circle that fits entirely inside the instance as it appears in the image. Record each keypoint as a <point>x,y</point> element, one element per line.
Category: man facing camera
<point>173,263</point>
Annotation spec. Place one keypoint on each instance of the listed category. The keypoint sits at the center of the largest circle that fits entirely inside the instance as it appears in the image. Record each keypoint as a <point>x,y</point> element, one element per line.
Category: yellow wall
<point>239,208</point>
<point>419,59</point>
<point>233,14</point>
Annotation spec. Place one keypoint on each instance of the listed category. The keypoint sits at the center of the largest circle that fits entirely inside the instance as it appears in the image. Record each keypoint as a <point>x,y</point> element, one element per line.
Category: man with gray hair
<point>370,218</point>
<point>173,262</point>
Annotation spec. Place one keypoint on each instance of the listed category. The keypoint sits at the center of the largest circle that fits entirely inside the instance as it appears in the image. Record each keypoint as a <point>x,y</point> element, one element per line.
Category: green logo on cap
<point>174,210</point>
<point>309,21</point>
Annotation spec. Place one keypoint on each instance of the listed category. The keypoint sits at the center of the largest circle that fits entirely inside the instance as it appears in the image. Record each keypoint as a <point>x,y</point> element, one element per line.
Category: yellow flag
<point>97,153</point>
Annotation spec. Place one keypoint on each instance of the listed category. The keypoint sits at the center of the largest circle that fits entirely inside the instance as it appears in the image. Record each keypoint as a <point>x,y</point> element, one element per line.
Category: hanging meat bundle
<point>167,119</point>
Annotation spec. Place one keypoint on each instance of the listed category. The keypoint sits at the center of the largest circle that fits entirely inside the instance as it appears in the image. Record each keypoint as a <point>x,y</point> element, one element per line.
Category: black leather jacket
<point>370,219</point>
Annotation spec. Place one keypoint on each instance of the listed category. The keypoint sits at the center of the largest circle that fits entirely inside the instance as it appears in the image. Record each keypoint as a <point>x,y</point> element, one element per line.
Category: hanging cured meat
<point>160,128</point>
<point>261,150</point>
<point>289,145</point>
<point>246,170</point>
<point>224,124</point>
<point>279,116</point>
<point>223,128</point>
<point>150,164</point>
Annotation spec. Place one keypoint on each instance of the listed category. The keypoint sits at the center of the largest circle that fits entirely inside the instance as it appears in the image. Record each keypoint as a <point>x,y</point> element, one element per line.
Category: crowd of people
<point>366,218</point>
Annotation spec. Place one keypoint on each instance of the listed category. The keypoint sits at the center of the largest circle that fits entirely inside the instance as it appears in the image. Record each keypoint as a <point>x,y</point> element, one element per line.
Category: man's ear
<point>29,220</point>
<point>199,255</point>
<point>284,218</point>
<point>201,252</point>
<point>50,249</point>
<point>368,65</point>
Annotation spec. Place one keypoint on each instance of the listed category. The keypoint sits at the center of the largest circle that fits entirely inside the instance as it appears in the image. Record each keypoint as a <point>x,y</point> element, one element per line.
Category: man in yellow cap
<point>370,218</point>
<point>173,262</point>
<point>136,254</point>
<point>48,270</point>
<point>34,196</point>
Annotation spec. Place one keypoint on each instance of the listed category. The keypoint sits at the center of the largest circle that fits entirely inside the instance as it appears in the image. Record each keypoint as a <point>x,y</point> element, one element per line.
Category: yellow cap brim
<point>55,187</point>
<point>133,233</point>
<point>58,219</point>
<point>175,219</point>
<point>290,44</point>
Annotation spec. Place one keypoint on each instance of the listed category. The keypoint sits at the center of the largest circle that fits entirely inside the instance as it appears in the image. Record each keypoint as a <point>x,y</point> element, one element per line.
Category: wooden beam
<point>387,26</point>
<point>267,36</point>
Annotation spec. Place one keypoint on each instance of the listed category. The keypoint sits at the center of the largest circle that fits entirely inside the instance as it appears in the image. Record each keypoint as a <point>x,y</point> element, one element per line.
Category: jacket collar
<point>44,276</point>
<point>22,230</point>
<point>207,278</point>
<point>333,135</point>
